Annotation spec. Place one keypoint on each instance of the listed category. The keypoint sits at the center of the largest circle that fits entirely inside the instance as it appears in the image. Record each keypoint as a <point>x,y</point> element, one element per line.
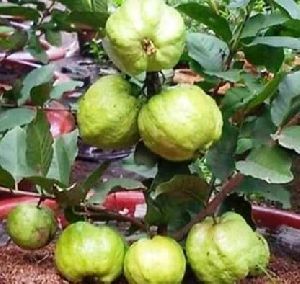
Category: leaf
<point>35,78</point>
<point>208,17</point>
<point>207,50</point>
<point>238,4</point>
<point>86,5</point>
<point>263,55</point>
<point>260,22</point>
<point>269,163</point>
<point>6,179</point>
<point>40,94</point>
<point>60,89</point>
<point>36,49</point>
<point>99,5</point>
<point>220,158</point>
<point>13,154</point>
<point>53,37</point>
<point>289,138</point>
<point>95,20</point>
<point>267,92</point>
<point>143,156</point>
<point>39,141</point>
<point>46,184</point>
<point>15,117</point>
<point>233,75</point>
<point>289,89</point>
<point>277,41</point>
<point>183,188</point>
<point>16,10</point>
<point>291,7</point>
<point>69,196</point>
<point>65,152</point>
<point>257,188</point>
<point>107,187</point>
<point>14,42</point>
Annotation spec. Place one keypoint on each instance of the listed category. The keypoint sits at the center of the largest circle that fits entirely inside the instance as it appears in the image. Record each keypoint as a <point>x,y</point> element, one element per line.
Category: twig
<point>227,188</point>
<point>24,193</point>
<point>94,211</point>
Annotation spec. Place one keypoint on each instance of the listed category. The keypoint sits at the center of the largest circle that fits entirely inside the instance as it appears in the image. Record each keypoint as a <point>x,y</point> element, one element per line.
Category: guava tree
<point>200,150</point>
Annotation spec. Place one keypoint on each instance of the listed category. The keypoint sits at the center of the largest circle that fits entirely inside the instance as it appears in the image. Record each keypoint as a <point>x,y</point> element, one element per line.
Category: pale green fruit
<point>159,260</point>
<point>179,122</point>
<point>31,227</point>
<point>222,252</point>
<point>107,114</point>
<point>84,250</point>
<point>261,256</point>
<point>145,35</point>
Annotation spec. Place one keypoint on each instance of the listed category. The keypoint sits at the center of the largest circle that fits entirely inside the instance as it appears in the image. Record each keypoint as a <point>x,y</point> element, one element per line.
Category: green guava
<point>31,227</point>
<point>159,260</point>
<point>261,257</point>
<point>145,35</point>
<point>107,114</point>
<point>179,122</point>
<point>225,251</point>
<point>87,251</point>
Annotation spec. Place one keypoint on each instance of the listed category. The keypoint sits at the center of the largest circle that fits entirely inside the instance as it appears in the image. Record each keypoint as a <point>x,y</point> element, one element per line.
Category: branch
<point>227,188</point>
<point>24,193</point>
<point>96,211</point>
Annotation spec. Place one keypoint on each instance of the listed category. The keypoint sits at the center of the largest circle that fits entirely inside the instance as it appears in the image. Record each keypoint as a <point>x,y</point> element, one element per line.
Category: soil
<point>18,266</point>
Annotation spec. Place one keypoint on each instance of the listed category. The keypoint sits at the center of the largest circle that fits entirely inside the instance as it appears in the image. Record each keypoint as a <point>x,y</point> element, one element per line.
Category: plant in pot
<point>206,152</point>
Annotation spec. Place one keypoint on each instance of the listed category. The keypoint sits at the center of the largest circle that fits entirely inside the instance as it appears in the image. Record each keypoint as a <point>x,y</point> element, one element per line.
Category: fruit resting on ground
<point>107,114</point>
<point>179,122</point>
<point>145,35</point>
<point>31,227</point>
<point>156,261</point>
<point>84,250</point>
<point>226,251</point>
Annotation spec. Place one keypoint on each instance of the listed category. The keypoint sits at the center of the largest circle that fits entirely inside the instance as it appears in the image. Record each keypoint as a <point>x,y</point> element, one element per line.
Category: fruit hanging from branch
<point>180,122</point>
<point>145,36</point>
<point>107,114</point>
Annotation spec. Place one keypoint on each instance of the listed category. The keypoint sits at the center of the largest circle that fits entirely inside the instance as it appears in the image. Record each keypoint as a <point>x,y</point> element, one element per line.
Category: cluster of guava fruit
<point>177,123</point>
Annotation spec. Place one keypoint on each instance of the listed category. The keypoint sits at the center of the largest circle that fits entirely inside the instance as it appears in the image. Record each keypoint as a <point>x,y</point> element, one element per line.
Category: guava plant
<point>200,150</point>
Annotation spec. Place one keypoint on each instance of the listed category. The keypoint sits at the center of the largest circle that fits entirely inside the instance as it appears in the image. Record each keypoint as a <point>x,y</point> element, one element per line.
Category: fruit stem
<point>152,83</point>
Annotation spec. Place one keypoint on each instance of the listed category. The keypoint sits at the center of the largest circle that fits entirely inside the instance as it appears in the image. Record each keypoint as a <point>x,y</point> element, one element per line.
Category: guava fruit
<point>107,114</point>
<point>145,35</point>
<point>225,251</point>
<point>179,122</point>
<point>31,227</point>
<point>159,260</point>
<point>84,250</point>
<point>261,257</point>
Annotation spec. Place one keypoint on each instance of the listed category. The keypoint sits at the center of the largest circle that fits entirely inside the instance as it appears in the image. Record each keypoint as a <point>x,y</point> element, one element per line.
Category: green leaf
<point>86,5</point>
<point>111,185</point>
<point>208,17</point>
<point>40,94</point>
<point>263,55</point>
<point>53,37</point>
<point>60,89</point>
<point>220,158</point>
<point>14,42</point>
<point>39,144</point>
<point>6,179</point>
<point>207,50</point>
<point>291,7</point>
<point>257,188</point>
<point>289,89</point>
<point>95,20</point>
<point>260,22</point>
<point>65,152</point>
<point>267,92</point>
<point>13,154</point>
<point>15,117</point>
<point>16,10</point>
<point>233,75</point>
<point>46,184</point>
<point>289,138</point>
<point>183,188</point>
<point>278,41</point>
<point>36,78</point>
<point>143,156</point>
<point>36,49</point>
<point>269,163</point>
<point>238,4</point>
